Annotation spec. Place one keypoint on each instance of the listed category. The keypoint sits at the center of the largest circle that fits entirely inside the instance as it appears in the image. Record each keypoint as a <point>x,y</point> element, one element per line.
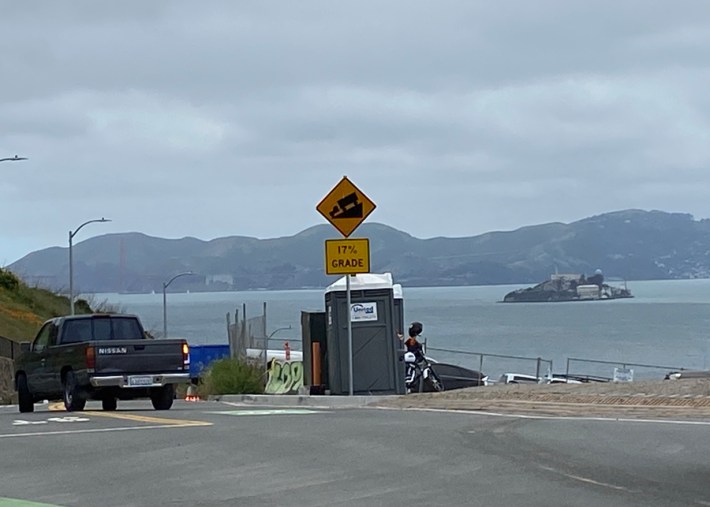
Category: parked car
<point>560,380</point>
<point>518,378</point>
<point>570,378</point>
<point>686,374</point>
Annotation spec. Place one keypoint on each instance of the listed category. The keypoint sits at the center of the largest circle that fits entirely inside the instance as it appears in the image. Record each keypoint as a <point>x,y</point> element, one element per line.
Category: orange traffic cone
<point>192,393</point>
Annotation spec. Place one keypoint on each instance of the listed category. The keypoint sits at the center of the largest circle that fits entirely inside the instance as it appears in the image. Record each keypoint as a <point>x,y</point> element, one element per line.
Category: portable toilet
<point>315,359</point>
<point>377,366</point>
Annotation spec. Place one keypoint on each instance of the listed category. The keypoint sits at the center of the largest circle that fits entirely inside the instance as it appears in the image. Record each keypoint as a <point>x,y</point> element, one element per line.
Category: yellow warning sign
<point>346,207</point>
<point>347,256</point>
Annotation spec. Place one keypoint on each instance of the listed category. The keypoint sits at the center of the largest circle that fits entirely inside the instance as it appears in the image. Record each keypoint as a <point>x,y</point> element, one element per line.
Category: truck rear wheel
<point>162,397</point>
<point>74,400</point>
<point>24,395</point>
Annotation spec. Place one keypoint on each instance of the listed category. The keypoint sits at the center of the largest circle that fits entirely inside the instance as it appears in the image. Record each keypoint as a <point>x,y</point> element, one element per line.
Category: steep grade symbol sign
<point>345,207</point>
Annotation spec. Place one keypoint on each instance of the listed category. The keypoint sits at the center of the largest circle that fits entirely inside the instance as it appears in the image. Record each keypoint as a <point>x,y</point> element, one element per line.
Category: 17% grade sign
<point>346,207</point>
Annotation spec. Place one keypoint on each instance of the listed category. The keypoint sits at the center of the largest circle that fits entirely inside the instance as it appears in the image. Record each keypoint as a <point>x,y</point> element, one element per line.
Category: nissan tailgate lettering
<point>112,350</point>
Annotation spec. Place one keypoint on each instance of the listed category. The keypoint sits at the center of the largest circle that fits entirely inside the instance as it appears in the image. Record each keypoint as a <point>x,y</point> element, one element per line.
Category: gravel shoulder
<point>686,399</point>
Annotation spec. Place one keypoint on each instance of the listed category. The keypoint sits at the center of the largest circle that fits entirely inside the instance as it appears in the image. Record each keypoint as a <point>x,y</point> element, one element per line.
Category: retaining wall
<point>6,380</point>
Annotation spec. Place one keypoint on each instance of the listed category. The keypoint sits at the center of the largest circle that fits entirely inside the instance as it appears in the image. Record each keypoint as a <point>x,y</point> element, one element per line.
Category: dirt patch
<point>665,399</point>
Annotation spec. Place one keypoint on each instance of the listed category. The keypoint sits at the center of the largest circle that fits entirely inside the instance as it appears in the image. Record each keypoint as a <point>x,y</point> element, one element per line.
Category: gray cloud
<point>456,118</point>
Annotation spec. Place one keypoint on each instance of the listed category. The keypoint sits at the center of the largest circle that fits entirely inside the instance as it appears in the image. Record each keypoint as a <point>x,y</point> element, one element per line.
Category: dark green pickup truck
<point>103,357</point>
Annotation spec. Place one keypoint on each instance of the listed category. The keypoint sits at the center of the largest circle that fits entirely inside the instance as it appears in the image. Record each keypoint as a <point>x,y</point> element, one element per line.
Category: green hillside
<point>23,309</point>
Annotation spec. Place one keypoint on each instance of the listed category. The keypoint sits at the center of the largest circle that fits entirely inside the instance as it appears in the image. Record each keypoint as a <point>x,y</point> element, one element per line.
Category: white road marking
<point>243,404</point>
<point>587,480</point>
<point>553,417</point>
<point>283,411</point>
<point>95,430</point>
<point>68,419</point>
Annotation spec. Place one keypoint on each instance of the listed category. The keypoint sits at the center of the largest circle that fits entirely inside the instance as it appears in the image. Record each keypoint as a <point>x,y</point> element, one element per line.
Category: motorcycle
<point>420,376</point>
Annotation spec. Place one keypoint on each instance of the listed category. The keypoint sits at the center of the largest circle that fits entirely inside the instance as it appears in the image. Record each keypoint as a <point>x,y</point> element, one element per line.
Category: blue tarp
<point>201,356</point>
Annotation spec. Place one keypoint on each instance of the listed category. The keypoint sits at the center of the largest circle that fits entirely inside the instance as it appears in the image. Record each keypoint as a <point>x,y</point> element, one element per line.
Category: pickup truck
<point>103,357</point>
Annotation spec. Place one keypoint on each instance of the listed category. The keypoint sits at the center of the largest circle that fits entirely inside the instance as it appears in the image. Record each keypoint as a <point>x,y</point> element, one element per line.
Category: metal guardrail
<point>543,366</point>
<point>538,361</point>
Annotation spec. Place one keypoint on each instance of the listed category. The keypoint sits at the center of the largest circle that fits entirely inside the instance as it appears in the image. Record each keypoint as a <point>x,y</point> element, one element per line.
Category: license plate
<point>140,380</point>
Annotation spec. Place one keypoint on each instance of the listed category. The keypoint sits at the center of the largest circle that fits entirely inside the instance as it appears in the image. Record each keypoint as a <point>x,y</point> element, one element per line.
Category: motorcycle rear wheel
<point>435,381</point>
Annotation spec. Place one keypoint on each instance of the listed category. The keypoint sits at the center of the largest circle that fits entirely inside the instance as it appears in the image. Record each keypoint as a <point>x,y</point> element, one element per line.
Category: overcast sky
<point>220,118</point>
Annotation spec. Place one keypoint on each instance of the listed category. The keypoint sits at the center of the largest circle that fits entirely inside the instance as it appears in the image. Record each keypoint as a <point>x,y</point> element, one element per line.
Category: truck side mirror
<point>25,347</point>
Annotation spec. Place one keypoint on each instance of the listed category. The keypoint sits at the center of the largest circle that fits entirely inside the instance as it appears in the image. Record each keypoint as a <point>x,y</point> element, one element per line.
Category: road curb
<point>296,400</point>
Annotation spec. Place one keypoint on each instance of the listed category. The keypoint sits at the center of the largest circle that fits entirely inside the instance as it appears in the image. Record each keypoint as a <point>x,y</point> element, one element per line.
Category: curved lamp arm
<point>102,219</point>
<point>165,301</point>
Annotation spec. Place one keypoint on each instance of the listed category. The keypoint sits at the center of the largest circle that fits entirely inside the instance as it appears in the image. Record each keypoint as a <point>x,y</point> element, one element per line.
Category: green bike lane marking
<point>281,411</point>
<point>13,502</point>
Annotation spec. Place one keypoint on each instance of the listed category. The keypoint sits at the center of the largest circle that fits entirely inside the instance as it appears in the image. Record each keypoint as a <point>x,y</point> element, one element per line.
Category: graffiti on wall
<point>284,377</point>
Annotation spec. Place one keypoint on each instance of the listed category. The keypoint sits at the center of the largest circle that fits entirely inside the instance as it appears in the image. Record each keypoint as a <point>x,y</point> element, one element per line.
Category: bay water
<point>665,324</point>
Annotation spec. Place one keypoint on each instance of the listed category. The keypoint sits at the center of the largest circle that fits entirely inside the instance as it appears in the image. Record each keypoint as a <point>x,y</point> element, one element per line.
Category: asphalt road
<point>211,453</point>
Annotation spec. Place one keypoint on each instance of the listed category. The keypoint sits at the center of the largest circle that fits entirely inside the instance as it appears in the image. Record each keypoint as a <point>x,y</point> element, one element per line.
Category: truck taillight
<point>185,354</point>
<point>90,358</point>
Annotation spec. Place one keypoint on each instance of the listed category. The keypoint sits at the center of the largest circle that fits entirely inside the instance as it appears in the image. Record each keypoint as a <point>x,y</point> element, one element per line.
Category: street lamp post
<point>165,301</point>
<point>71,258</point>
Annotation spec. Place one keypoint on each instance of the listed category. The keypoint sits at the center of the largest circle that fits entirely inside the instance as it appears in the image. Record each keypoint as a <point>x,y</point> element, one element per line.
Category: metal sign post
<point>350,335</point>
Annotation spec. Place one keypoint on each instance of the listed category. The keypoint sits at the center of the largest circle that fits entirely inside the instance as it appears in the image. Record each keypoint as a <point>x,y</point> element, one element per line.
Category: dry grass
<point>23,309</point>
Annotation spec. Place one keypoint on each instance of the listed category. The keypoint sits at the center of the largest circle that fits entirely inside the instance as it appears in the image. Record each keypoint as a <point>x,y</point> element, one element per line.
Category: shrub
<point>232,376</point>
<point>100,306</point>
<point>9,281</point>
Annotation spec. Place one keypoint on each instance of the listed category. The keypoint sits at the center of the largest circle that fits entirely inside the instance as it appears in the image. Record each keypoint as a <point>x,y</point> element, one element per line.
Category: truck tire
<point>109,403</point>
<point>24,395</point>
<point>162,397</point>
<point>74,399</point>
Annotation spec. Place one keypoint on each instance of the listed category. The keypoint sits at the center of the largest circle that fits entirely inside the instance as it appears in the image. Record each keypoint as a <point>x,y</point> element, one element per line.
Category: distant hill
<point>632,244</point>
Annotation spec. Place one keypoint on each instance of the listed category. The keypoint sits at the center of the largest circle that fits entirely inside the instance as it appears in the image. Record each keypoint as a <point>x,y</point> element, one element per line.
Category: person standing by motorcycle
<point>420,371</point>
<point>413,345</point>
